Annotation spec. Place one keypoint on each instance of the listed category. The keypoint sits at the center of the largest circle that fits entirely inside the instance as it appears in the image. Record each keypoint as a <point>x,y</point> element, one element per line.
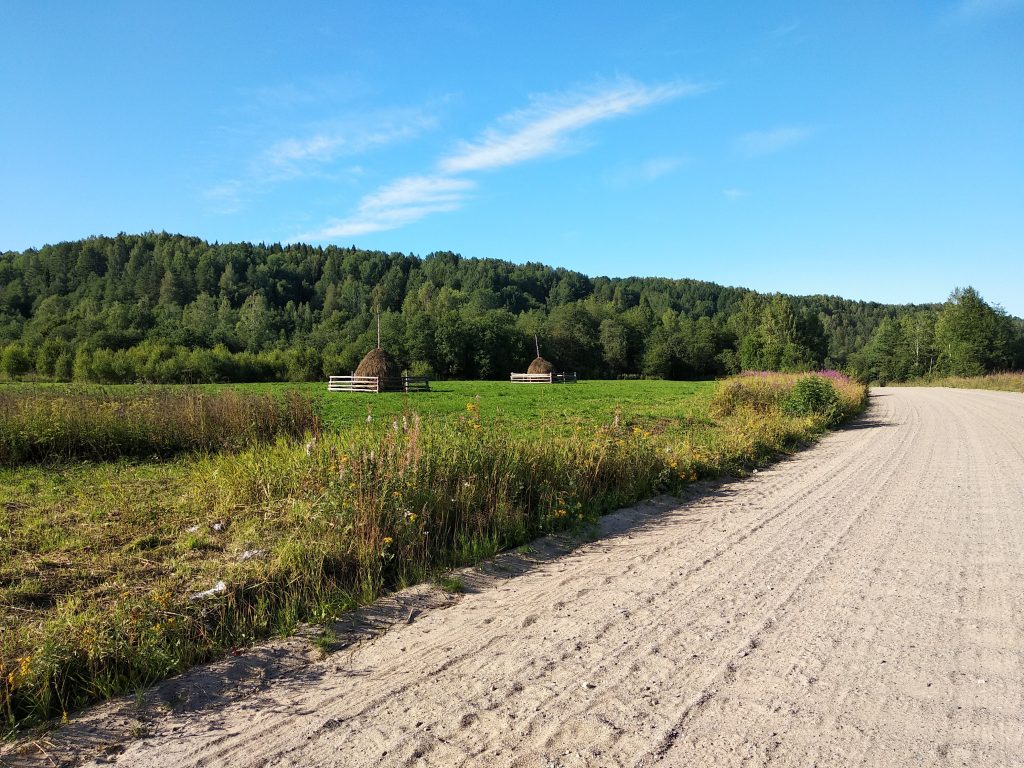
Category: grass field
<point>531,407</point>
<point>101,562</point>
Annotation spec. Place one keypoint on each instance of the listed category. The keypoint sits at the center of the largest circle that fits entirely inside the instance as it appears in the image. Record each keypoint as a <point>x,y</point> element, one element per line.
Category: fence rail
<point>378,384</point>
<point>543,378</point>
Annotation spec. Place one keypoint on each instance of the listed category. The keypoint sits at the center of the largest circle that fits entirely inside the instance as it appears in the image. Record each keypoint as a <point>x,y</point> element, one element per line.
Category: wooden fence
<point>543,378</point>
<point>378,384</point>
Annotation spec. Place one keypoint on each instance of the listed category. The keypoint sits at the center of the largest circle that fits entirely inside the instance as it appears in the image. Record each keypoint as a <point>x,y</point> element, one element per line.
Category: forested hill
<point>160,307</point>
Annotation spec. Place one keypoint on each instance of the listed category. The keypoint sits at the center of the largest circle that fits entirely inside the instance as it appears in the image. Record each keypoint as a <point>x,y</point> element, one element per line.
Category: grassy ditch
<point>1011,381</point>
<point>116,575</point>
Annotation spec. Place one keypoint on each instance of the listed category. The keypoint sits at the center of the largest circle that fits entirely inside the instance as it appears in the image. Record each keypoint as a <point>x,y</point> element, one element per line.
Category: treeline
<point>168,308</point>
<point>965,337</point>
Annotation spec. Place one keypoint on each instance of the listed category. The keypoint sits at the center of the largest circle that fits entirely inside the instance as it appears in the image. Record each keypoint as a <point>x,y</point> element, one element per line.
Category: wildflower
<point>387,541</point>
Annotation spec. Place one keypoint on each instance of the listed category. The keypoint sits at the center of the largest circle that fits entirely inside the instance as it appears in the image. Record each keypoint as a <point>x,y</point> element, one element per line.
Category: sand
<point>861,603</point>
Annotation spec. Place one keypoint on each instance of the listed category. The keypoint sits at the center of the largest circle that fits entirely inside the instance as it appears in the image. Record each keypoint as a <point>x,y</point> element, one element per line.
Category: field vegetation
<point>46,423</point>
<point>117,573</point>
<point>1010,381</point>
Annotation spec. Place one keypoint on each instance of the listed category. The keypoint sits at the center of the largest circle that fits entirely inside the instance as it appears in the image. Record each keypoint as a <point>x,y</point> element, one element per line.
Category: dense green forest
<point>168,308</point>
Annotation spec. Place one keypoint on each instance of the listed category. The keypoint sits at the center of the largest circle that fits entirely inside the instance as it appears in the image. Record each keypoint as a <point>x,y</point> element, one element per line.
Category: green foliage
<point>972,337</point>
<point>965,337</point>
<point>160,308</point>
<point>825,400</point>
<point>814,396</point>
<point>450,584</point>
<point>14,361</point>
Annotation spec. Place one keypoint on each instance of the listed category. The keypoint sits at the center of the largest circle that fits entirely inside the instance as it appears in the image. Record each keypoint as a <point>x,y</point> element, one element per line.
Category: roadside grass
<point>450,584</point>
<point>101,564</point>
<point>1010,381</point>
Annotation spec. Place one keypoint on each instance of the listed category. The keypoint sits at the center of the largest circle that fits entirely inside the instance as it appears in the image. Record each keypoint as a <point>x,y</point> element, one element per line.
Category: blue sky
<point>873,150</point>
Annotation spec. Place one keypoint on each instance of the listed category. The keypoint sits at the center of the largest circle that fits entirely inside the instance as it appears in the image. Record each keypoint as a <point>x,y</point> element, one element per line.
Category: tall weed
<point>93,423</point>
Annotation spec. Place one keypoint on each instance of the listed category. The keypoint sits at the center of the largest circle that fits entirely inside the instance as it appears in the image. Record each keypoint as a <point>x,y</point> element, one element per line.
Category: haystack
<point>380,364</point>
<point>540,365</point>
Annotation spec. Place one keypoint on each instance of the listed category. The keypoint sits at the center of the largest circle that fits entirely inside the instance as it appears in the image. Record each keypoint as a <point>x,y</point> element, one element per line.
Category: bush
<point>814,396</point>
<point>828,396</point>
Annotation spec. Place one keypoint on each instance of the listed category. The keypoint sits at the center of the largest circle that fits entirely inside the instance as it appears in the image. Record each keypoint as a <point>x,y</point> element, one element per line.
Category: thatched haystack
<point>541,372</point>
<point>540,365</point>
<point>380,364</point>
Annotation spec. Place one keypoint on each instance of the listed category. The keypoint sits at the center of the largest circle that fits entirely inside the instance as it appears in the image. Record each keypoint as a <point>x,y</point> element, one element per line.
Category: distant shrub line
<point>1009,381</point>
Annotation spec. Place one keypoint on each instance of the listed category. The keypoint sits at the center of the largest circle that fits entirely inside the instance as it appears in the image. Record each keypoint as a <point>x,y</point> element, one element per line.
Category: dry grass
<point>94,423</point>
<point>378,363</point>
<point>540,365</point>
<point>1010,381</point>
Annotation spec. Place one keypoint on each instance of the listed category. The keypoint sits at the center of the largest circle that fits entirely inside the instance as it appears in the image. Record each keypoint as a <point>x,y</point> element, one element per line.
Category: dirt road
<point>859,604</point>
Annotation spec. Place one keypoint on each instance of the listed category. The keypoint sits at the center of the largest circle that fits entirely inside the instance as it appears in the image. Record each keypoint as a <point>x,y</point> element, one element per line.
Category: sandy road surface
<point>859,604</point>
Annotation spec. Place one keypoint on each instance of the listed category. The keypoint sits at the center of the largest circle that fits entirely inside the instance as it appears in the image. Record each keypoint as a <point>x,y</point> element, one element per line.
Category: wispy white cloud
<point>770,141</point>
<point>298,156</point>
<point>396,204</point>
<point>973,9</point>
<point>647,171</point>
<point>734,193</point>
<point>785,30</point>
<point>657,167</point>
<point>543,127</point>
<point>317,152</point>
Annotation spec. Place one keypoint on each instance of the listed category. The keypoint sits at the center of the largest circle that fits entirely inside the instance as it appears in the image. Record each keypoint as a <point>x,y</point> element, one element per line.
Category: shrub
<point>828,396</point>
<point>814,396</point>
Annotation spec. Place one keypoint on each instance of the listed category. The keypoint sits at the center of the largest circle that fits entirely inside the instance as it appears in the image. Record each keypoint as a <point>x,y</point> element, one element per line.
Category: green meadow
<point>533,408</point>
